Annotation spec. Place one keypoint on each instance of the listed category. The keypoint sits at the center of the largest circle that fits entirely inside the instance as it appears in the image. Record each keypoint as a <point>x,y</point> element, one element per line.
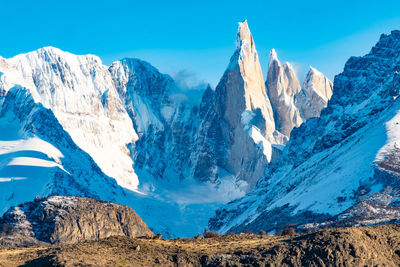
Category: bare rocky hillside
<point>63,220</point>
<point>363,246</point>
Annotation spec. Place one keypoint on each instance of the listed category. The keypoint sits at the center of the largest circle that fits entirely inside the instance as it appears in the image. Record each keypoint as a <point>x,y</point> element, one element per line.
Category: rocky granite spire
<point>242,128</point>
<point>292,104</point>
<point>342,168</point>
<point>282,85</point>
<point>242,87</point>
<point>317,90</point>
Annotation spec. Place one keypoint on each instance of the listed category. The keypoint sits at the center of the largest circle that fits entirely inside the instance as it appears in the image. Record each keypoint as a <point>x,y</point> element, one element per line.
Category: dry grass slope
<point>364,246</point>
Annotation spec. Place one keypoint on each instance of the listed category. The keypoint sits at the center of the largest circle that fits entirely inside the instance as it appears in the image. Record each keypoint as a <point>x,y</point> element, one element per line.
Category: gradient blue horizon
<point>195,39</point>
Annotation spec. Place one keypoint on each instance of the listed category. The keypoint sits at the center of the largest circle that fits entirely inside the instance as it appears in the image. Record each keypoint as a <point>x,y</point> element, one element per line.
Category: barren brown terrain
<point>363,246</point>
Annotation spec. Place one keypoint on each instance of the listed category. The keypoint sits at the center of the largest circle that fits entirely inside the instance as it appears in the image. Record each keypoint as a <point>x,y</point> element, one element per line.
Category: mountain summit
<point>294,104</point>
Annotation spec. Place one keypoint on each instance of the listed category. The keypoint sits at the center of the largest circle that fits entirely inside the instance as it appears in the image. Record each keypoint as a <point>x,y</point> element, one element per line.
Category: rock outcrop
<point>65,220</point>
<point>317,90</point>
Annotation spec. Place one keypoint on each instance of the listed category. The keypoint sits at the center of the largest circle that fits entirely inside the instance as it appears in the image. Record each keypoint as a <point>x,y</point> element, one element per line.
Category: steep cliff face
<point>38,157</point>
<point>165,117</point>
<point>292,104</point>
<point>283,85</point>
<point>66,220</point>
<point>241,127</point>
<point>339,169</point>
<point>317,90</point>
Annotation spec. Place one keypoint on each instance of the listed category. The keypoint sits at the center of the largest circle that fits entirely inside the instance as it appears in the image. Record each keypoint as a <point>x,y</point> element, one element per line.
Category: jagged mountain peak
<point>385,55</point>
<point>273,56</point>
<point>292,103</point>
<point>246,60</point>
<point>282,85</point>
<point>143,78</point>
<point>313,71</point>
<point>137,64</point>
<point>241,130</point>
<point>282,73</point>
<point>50,50</point>
<point>80,92</point>
<point>243,35</point>
<point>319,83</point>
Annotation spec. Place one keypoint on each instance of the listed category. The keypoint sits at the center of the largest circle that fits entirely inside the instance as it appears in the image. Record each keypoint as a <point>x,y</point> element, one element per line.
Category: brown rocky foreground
<point>363,246</point>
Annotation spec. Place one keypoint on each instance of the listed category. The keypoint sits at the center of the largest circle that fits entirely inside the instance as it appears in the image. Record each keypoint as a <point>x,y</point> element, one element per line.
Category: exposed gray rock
<point>282,86</point>
<point>292,104</point>
<point>240,129</point>
<point>317,90</point>
<point>65,219</point>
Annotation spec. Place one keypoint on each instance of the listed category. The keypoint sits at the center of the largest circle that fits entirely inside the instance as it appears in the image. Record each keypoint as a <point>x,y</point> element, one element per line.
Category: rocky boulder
<point>68,219</point>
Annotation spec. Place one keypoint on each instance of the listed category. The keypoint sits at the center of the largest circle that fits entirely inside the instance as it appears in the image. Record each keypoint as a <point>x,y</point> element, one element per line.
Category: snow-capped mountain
<point>340,168</point>
<point>38,157</point>
<point>291,103</point>
<point>127,133</point>
<point>80,93</point>
<point>314,96</point>
<point>164,115</point>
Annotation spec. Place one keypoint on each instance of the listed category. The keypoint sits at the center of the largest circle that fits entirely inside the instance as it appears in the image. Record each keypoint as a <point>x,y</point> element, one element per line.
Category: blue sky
<point>197,38</point>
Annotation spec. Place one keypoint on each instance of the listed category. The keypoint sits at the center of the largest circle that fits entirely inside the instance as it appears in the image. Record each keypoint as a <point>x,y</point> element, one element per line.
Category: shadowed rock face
<point>317,90</point>
<point>59,219</point>
<point>283,85</point>
<point>241,131</point>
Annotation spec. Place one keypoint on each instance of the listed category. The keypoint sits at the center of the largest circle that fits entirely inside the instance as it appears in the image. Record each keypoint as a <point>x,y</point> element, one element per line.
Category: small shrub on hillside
<point>5,229</point>
<point>262,232</point>
<point>210,234</point>
<point>288,231</point>
<point>246,231</point>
